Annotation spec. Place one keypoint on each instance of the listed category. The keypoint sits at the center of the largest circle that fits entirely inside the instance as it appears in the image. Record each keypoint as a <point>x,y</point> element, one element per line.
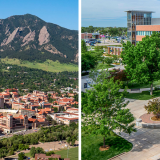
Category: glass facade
<point>145,33</point>
<point>137,18</point>
<point>129,25</point>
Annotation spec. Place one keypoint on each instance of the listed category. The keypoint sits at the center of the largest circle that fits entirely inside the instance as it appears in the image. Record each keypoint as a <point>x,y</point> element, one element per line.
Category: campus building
<point>140,24</point>
<point>90,35</point>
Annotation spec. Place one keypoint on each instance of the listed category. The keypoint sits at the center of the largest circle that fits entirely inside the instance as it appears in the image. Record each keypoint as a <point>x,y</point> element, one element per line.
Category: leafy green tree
<point>153,107</point>
<point>91,29</point>
<point>49,153</point>
<point>21,156</point>
<point>108,60</point>
<point>55,109</point>
<point>23,147</point>
<point>104,32</point>
<point>39,150</point>
<point>103,109</point>
<point>76,97</point>
<point>143,60</point>
<point>89,61</point>
<point>33,151</point>
<point>115,57</point>
<point>83,46</point>
<point>113,31</point>
<point>69,140</point>
<point>49,118</point>
<point>49,95</point>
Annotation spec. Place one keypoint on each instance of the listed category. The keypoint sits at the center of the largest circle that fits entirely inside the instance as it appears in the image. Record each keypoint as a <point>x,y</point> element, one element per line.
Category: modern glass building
<point>135,18</point>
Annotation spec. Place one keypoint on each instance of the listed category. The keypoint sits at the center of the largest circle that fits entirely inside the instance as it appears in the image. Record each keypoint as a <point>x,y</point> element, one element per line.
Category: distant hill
<point>28,37</point>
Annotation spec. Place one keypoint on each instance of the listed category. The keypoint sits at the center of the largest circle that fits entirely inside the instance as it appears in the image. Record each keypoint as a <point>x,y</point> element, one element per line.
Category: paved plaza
<point>146,142</point>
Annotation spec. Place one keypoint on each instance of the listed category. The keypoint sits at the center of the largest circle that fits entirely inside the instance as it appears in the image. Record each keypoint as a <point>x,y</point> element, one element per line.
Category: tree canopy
<point>142,62</point>
<point>89,61</point>
<point>153,107</point>
<point>83,46</point>
<point>103,108</point>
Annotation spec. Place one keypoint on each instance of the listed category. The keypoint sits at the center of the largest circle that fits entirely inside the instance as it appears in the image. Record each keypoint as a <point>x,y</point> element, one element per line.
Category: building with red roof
<point>44,157</point>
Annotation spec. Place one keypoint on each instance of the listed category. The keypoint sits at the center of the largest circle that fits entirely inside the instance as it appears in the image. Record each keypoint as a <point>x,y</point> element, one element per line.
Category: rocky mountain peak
<point>30,35</point>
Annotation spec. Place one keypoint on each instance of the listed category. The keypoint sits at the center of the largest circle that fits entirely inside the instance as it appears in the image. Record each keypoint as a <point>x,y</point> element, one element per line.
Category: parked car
<point>98,41</point>
<point>91,44</point>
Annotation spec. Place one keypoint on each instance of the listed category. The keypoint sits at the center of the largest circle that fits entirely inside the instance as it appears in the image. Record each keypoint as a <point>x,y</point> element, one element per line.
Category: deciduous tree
<point>104,109</point>
<point>142,62</point>
<point>83,46</point>
<point>21,156</point>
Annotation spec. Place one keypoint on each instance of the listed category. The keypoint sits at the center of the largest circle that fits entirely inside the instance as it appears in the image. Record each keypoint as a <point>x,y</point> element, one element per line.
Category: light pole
<point>67,149</point>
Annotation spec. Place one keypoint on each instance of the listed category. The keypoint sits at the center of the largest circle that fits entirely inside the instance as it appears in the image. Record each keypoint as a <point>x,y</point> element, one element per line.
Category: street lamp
<point>67,148</point>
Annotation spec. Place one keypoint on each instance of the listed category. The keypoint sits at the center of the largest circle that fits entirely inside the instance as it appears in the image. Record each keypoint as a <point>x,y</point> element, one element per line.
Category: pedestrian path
<point>138,90</point>
<point>146,142</point>
<point>146,145</point>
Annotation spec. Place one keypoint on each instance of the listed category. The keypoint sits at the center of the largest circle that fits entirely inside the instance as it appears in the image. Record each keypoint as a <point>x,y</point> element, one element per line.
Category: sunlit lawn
<point>72,153</point>
<point>138,85</point>
<point>103,66</point>
<point>90,147</point>
<point>48,65</point>
<point>145,95</point>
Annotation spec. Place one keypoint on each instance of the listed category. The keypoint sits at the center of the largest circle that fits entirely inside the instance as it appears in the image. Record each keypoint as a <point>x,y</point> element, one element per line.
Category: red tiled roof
<point>41,120</point>
<point>20,117</point>
<point>32,119</point>
<point>17,103</point>
<point>28,109</point>
<point>15,93</point>
<point>6,94</point>
<point>35,105</point>
<point>47,104</point>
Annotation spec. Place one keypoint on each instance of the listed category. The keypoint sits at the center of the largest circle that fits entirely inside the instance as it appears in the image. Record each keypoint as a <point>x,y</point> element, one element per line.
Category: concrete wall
<point>155,21</point>
<point>8,110</point>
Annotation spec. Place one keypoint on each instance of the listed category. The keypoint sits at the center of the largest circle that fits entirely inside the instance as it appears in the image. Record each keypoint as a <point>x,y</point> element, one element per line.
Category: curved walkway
<point>146,142</point>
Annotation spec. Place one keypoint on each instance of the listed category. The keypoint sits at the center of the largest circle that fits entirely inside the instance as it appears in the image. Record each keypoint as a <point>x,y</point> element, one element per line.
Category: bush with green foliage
<point>21,156</point>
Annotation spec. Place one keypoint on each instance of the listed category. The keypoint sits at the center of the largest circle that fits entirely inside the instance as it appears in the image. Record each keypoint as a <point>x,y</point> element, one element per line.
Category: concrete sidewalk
<point>146,142</point>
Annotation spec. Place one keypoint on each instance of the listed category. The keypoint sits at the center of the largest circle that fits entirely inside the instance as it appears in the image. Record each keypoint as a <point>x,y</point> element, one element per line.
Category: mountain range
<point>28,37</point>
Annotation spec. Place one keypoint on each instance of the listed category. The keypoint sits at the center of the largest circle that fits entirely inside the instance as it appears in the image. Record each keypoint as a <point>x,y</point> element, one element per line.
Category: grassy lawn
<point>145,95</point>
<point>137,85</point>
<point>28,155</point>
<point>90,47</point>
<point>90,147</point>
<point>72,153</point>
<point>103,66</point>
<point>48,65</point>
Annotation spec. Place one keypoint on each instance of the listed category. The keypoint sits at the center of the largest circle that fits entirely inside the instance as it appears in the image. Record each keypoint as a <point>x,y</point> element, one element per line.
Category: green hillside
<point>48,65</point>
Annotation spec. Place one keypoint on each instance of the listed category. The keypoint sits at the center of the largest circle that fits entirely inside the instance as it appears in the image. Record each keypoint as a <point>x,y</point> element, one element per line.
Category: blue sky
<point>60,12</point>
<point>110,13</point>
